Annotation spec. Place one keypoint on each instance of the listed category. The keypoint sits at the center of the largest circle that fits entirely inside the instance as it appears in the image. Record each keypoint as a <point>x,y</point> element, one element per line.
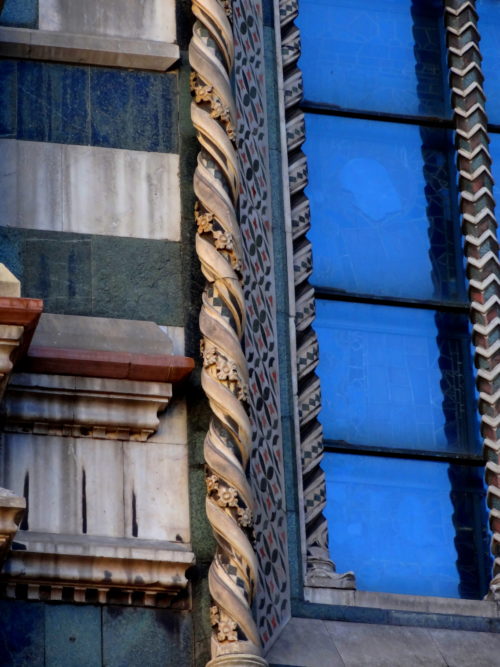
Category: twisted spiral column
<point>229,503</point>
<point>481,245</point>
<point>320,570</point>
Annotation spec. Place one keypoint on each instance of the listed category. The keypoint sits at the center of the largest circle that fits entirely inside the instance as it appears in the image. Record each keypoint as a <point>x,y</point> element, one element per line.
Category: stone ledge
<point>96,569</point>
<point>87,49</point>
<point>395,602</point>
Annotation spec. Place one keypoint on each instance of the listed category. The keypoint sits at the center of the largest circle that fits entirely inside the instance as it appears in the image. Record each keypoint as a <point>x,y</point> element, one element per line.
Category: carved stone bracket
<point>11,512</point>
<point>18,319</point>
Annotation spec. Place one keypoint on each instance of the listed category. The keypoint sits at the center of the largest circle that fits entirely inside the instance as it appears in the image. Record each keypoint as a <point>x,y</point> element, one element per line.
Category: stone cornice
<point>84,406</point>
<point>96,569</point>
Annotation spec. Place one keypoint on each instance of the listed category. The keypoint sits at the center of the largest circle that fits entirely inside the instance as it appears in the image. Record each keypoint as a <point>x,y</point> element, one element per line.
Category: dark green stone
<point>56,268</point>
<point>72,636</point>
<point>8,98</point>
<point>135,110</point>
<point>53,103</point>
<point>21,634</point>
<point>136,279</point>
<point>136,637</point>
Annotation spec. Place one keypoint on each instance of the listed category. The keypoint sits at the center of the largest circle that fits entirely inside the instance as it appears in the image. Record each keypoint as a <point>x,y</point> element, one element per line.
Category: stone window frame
<point>321,583</point>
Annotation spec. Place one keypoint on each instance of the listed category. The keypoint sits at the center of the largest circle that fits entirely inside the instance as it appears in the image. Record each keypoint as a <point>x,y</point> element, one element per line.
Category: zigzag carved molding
<point>320,569</point>
<point>481,244</point>
<point>227,447</point>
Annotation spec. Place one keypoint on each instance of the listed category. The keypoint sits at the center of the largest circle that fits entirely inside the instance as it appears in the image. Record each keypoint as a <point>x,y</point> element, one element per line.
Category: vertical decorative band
<point>320,569</point>
<point>481,245</point>
<point>229,504</point>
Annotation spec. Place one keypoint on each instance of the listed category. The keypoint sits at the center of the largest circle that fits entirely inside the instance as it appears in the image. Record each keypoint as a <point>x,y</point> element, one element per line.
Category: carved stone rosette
<point>320,568</point>
<point>229,503</point>
<point>481,244</point>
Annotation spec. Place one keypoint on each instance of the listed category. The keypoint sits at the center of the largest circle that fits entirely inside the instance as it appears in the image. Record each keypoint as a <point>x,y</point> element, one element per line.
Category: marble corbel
<point>18,319</point>
<point>93,377</point>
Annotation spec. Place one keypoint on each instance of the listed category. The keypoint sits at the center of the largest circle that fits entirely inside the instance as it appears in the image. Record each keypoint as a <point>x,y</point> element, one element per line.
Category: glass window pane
<point>414,527</point>
<point>495,164</point>
<point>489,29</point>
<point>395,377</point>
<point>378,56</point>
<point>382,209</point>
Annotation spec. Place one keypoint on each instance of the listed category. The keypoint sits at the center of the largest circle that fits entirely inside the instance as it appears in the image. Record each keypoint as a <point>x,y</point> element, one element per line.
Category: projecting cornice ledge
<point>94,377</point>
<point>84,568</point>
<point>103,50</point>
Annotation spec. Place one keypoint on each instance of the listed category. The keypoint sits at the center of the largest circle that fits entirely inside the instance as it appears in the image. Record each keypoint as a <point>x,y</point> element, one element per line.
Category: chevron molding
<point>320,570</point>
<point>481,245</point>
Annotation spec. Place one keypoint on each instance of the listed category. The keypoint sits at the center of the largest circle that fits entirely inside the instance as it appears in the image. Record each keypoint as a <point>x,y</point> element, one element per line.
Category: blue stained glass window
<point>383,208</point>
<point>377,56</point>
<point>395,377</point>
<point>489,28</point>
<point>495,157</point>
<point>408,526</point>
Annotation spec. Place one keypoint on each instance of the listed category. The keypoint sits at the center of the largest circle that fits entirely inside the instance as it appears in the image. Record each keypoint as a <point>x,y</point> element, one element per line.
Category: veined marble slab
<point>149,19</point>
<point>112,488</point>
<point>89,189</point>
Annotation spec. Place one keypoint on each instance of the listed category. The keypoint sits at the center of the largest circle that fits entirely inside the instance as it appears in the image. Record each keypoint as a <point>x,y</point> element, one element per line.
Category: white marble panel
<point>102,463</point>
<point>121,192</point>
<point>47,468</point>
<point>74,484</point>
<point>143,19</point>
<point>157,476</point>
<point>89,189</point>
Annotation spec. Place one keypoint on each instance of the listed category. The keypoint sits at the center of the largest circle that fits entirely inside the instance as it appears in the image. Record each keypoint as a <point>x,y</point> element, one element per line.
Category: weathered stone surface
<point>99,487</point>
<point>461,649</point>
<point>59,187</point>
<point>362,644</point>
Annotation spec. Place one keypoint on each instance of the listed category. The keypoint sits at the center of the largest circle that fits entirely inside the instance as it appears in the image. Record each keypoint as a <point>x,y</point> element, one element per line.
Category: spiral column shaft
<point>229,503</point>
